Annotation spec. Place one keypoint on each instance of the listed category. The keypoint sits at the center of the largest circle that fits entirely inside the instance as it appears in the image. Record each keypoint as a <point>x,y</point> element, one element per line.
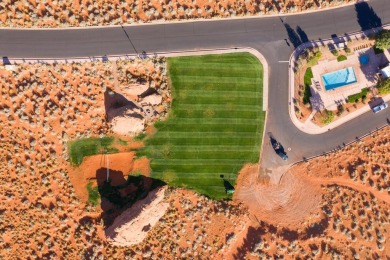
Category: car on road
<point>282,154</point>
<point>278,148</point>
<point>380,107</point>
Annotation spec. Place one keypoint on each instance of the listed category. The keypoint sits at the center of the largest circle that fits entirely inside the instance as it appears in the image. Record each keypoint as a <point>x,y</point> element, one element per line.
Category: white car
<point>379,107</point>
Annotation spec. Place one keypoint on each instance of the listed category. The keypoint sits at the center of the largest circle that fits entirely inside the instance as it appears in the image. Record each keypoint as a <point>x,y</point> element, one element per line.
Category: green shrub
<point>347,50</point>
<point>307,81</point>
<point>327,117</point>
<point>335,52</point>
<point>140,137</point>
<point>382,40</point>
<point>313,59</point>
<point>377,50</point>
<point>122,142</point>
<point>341,58</point>
<point>384,86</point>
<point>93,194</point>
<point>355,97</point>
<point>89,146</point>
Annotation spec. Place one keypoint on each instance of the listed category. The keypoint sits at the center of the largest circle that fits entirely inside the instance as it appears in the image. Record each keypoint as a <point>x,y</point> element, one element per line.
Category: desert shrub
<point>341,58</point>
<point>327,117</point>
<point>355,97</point>
<point>313,58</point>
<point>307,81</point>
<point>340,109</point>
<point>93,194</point>
<point>384,86</point>
<point>377,50</point>
<point>382,40</point>
<point>335,52</point>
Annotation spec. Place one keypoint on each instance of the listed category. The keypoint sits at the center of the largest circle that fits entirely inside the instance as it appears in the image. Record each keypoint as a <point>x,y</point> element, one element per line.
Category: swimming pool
<point>339,78</point>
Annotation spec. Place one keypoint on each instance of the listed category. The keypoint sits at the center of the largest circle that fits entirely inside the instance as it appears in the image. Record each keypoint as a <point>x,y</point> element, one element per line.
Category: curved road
<point>267,35</point>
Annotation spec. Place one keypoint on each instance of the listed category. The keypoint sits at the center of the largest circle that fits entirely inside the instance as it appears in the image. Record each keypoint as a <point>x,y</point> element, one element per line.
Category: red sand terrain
<point>63,13</point>
<point>334,206</point>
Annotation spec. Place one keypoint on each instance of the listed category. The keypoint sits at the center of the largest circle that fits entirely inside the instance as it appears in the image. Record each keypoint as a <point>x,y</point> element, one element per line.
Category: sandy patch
<point>287,202</point>
<point>153,100</point>
<point>126,125</point>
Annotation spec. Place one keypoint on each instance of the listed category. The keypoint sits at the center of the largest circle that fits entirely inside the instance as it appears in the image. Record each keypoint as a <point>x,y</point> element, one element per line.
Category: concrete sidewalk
<point>308,126</point>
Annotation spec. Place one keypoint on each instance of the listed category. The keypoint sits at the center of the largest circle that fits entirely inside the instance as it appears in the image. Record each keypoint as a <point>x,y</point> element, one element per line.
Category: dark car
<point>278,149</point>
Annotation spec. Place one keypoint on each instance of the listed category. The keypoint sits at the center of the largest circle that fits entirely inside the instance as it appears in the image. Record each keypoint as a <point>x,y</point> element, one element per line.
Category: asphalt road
<point>267,35</point>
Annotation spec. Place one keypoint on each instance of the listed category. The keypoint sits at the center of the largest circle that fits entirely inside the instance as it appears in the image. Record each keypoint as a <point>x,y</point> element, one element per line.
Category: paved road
<point>267,35</point>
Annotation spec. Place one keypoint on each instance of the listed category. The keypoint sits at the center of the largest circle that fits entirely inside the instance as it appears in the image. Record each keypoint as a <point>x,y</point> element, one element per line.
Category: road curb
<point>103,58</point>
<point>291,88</point>
<point>357,139</point>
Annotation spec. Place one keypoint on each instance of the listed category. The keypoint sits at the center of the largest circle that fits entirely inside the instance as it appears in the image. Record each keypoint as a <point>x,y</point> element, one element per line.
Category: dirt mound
<point>287,202</point>
<point>132,226</point>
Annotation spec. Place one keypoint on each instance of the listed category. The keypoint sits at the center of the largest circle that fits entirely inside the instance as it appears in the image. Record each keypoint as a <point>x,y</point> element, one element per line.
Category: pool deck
<point>365,76</point>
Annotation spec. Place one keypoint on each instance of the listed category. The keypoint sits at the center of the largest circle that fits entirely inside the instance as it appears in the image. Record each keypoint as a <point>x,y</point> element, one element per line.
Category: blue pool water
<point>339,78</point>
<point>363,59</point>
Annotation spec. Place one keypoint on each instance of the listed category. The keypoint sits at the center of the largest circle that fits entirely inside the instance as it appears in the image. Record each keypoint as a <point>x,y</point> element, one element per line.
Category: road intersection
<point>268,35</point>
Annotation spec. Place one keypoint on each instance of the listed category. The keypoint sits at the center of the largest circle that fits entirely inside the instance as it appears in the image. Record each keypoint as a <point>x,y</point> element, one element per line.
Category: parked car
<point>380,107</point>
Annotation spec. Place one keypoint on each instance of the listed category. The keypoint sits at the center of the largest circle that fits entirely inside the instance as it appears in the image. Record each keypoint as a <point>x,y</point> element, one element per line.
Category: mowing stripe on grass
<point>215,124</point>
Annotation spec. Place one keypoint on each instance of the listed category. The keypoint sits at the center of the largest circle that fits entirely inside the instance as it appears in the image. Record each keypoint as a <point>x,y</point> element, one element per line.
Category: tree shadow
<point>369,64</point>
<point>297,36</point>
<point>292,35</point>
<point>302,35</point>
<point>367,17</point>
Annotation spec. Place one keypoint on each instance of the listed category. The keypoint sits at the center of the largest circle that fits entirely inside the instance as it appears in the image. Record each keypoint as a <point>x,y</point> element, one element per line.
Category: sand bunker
<point>285,203</point>
<point>132,226</point>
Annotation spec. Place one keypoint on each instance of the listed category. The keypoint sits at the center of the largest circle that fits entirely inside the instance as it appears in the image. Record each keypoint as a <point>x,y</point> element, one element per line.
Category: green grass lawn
<point>307,81</point>
<point>215,124</point>
<point>355,98</point>
<point>93,194</point>
<point>80,148</point>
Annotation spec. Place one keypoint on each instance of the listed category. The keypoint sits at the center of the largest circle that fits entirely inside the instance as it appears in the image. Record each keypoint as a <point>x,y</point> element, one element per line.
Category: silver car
<point>380,107</point>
